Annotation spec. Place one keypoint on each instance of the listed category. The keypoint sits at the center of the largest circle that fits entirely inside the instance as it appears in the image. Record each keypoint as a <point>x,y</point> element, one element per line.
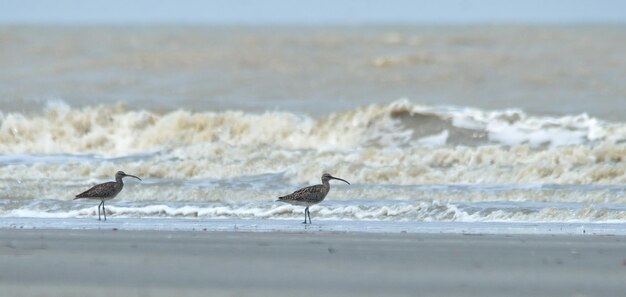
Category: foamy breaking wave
<point>513,126</point>
<point>433,211</point>
<point>113,130</point>
<point>420,165</point>
<point>400,143</point>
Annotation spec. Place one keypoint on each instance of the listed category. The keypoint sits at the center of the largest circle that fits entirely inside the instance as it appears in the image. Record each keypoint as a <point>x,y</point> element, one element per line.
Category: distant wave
<point>399,143</point>
<point>112,130</point>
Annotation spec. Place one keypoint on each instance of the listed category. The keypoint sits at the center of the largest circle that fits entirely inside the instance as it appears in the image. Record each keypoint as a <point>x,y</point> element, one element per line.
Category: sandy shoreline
<point>169,263</point>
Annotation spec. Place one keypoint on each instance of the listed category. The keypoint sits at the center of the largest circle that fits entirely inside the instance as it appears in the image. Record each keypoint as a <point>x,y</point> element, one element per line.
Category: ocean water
<point>439,129</point>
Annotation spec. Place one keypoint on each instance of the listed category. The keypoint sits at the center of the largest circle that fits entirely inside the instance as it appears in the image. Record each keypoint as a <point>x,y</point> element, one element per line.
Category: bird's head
<point>121,174</point>
<point>326,177</point>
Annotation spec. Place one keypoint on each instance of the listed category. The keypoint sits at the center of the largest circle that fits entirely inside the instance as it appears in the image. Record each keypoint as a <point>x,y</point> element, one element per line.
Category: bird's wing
<point>303,193</point>
<point>100,190</point>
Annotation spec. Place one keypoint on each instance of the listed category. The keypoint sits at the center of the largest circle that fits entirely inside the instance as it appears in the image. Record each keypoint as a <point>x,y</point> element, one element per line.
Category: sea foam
<point>401,143</point>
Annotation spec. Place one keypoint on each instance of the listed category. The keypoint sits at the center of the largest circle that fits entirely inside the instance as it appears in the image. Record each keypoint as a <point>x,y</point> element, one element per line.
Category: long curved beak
<point>132,176</point>
<point>343,180</point>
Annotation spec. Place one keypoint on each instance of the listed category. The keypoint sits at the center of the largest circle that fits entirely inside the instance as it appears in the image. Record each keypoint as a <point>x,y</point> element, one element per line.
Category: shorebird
<point>105,191</point>
<point>310,195</point>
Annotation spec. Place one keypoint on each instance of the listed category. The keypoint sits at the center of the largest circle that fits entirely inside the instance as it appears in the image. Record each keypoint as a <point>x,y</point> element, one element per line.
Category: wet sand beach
<point>163,263</point>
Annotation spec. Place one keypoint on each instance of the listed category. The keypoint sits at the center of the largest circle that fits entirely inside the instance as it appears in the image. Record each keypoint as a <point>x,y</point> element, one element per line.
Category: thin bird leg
<point>305,211</point>
<point>309,213</point>
<point>99,210</point>
<point>104,211</point>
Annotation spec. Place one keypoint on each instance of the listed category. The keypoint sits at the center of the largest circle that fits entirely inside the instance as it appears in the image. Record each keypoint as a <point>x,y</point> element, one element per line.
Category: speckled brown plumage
<point>310,195</point>
<point>307,196</point>
<point>105,191</point>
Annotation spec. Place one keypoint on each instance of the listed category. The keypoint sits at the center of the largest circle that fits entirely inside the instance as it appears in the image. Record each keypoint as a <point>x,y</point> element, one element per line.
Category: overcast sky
<point>310,12</point>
